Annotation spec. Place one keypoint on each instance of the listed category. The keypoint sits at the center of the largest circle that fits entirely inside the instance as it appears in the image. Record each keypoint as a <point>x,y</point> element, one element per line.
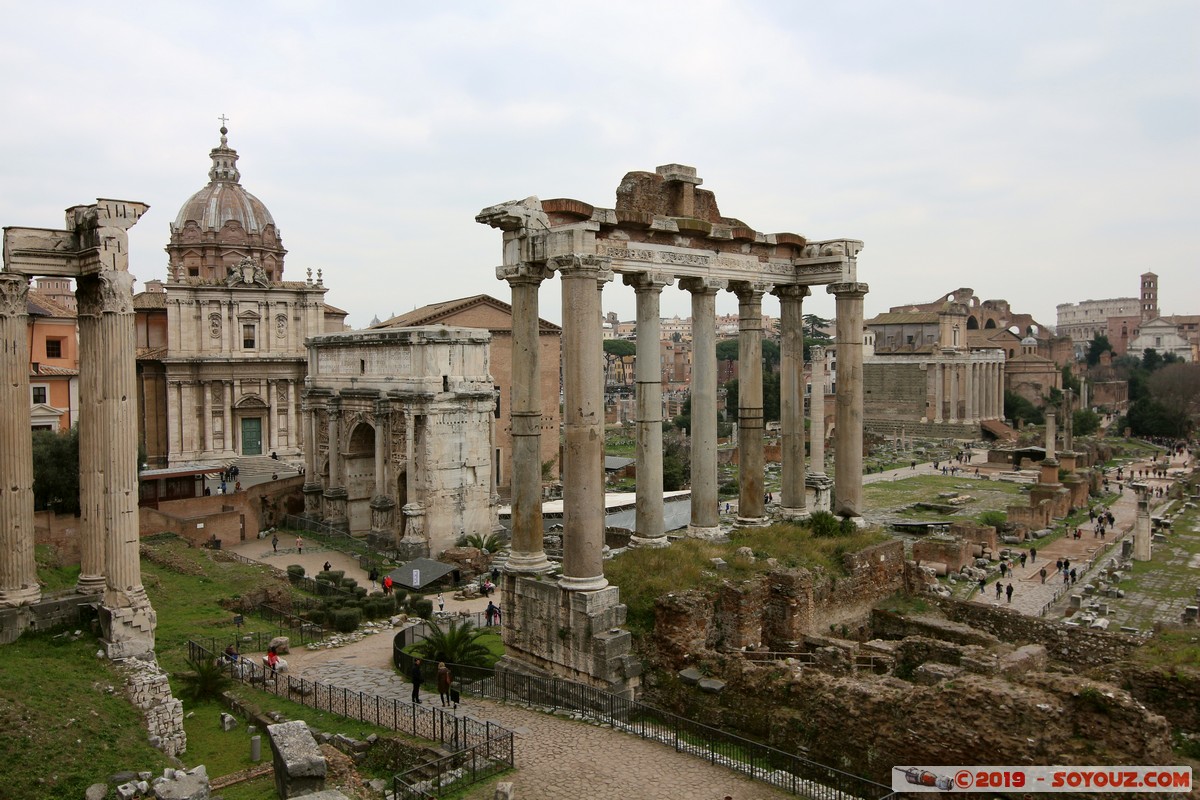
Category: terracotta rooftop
<point>903,318</point>
<point>436,312</point>
<point>51,370</point>
<point>42,306</point>
<point>146,301</point>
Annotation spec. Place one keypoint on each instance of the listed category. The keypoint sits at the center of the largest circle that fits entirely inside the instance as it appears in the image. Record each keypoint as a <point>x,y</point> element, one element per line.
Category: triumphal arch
<point>664,230</point>
<point>93,249</point>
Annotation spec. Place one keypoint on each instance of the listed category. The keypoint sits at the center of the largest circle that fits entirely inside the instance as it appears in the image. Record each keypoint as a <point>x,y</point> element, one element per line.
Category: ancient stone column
<point>583,401</point>
<point>791,391</point>
<point>312,481</point>
<point>272,414</point>
<point>1142,539</point>
<point>91,439</point>
<point>525,409</point>
<point>816,411</point>
<point>954,382</point>
<point>969,375</point>
<point>227,435</point>
<point>127,619</point>
<point>382,505</point>
<point>1051,434</point>
<point>751,500</point>
<point>705,510</point>
<point>848,449</point>
<point>939,383</point>
<point>335,491</point>
<point>206,397</point>
<point>649,524</point>
<point>18,570</point>
<point>293,397</point>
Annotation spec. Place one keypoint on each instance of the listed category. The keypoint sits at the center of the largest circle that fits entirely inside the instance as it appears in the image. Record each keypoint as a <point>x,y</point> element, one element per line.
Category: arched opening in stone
<point>360,476</point>
<point>972,324</point>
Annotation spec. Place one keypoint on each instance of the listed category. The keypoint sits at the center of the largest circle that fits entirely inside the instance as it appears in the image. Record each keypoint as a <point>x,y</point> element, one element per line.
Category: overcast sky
<point>1041,152</point>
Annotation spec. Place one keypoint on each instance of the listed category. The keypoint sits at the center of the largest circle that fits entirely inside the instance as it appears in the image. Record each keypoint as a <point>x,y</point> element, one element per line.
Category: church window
<point>54,348</point>
<point>248,336</point>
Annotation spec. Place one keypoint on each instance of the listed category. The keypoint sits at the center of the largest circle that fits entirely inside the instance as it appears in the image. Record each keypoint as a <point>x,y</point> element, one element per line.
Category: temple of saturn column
<point>94,250</point>
<point>663,231</point>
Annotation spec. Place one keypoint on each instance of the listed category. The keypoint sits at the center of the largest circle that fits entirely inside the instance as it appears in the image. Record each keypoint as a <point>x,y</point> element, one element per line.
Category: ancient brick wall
<point>61,532</point>
<point>954,553</point>
<point>262,506</point>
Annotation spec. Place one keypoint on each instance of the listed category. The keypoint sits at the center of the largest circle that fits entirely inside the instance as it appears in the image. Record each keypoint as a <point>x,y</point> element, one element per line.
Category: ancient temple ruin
<point>663,230</point>
<point>93,249</point>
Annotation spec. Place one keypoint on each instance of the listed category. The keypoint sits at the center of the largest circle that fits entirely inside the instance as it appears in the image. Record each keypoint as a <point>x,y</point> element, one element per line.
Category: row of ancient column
<point>182,396</point>
<point>583,278</point>
<point>108,451</point>
<point>977,387</point>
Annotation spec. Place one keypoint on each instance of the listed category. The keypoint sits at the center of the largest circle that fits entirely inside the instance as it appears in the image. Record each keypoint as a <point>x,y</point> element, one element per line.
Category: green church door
<point>252,436</point>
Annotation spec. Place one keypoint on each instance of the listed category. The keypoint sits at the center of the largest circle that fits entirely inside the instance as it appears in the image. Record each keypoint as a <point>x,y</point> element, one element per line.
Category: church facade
<point>221,355</point>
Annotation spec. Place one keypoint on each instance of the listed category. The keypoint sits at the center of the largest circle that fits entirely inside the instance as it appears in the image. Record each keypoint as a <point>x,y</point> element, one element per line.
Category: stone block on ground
<point>690,676</point>
<point>299,764</point>
<point>281,644</point>
<point>934,673</point>
<point>228,721</point>
<point>504,791</point>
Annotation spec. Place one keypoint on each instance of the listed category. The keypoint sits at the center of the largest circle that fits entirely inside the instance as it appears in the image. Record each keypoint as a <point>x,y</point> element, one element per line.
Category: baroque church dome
<point>223,224</point>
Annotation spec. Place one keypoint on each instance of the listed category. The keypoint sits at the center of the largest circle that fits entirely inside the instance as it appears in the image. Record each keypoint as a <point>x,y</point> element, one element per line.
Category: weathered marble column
<point>939,387</point>
<point>335,491</point>
<point>969,379</point>
<point>816,411</point>
<point>649,523</point>
<point>293,397</point>
<point>705,509</point>
<point>848,449</point>
<point>18,570</point>
<point>227,434</point>
<point>127,619</point>
<point>583,401</point>
<point>1049,467</point>
<point>751,488</point>
<point>206,405</point>
<point>954,383</point>
<point>91,439</point>
<point>272,415</point>
<point>1143,547</point>
<point>382,505</point>
<point>525,409</point>
<point>312,480</point>
<point>791,391</point>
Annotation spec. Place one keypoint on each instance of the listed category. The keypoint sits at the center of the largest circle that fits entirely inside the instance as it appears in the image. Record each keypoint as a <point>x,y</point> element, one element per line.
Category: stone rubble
<point>148,688</point>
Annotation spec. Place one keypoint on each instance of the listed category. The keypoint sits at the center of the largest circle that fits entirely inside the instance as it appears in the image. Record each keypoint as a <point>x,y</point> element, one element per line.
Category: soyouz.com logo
<point>1042,779</point>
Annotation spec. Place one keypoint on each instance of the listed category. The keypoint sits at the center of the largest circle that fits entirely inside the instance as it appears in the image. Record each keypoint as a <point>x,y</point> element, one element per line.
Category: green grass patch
<point>644,574</point>
<point>65,719</point>
<point>898,494</point>
<point>52,574</point>
<point>1171,648</point>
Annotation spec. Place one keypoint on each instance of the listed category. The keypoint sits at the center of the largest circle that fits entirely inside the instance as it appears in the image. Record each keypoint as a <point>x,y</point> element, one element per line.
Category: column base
<point>90,584</point>
<point>793,514</point>
<point>711,534</point>
<point>751,522</point>
<point>25,596</point>
<point>529,563</point>
<point>592,584</point>
<point>127,624</point>
<point>651,542</point>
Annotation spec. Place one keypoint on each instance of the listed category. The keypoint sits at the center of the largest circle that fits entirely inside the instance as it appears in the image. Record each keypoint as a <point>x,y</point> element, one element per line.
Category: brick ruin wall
<point>778,608</point>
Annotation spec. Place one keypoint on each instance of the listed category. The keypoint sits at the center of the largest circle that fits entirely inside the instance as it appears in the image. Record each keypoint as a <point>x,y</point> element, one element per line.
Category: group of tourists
<point>445,683</point>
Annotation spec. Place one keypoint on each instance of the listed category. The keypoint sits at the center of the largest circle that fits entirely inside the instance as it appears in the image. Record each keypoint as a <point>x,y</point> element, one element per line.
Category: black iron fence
<point>786,771</point>
<point>451,773</point>
<point>486,740</point>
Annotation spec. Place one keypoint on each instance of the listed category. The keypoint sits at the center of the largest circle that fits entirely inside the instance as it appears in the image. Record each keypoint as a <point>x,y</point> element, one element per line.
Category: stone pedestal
<point>1142,540</point>
<point>299,765</point>
<point>1068,460</point>
<point>822,489</point>
<point>1049,472</point>
<point>549,630</point>
<point>333,506</point>
<point>383,515</point>
<point>413,544</point>
<point>312,498</point>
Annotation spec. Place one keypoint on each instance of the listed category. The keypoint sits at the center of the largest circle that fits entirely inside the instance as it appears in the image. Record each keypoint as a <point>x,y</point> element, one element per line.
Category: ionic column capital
<point>791,291</point>
<point>527,273</point>
<point>702,285</point>
<point>647,281</point>
<point>14,294</point>
<point>848,289</point>
<point>749,291</point>
<point>581,265</point>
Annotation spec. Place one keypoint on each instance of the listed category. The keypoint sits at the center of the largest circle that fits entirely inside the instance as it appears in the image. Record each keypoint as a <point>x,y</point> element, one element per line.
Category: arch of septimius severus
<point>93,249</point>
<point>664,230</point>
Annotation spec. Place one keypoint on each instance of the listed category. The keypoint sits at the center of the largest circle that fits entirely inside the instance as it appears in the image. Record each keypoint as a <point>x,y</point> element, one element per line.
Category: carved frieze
<point>214,325</point>
<point>116,292</point>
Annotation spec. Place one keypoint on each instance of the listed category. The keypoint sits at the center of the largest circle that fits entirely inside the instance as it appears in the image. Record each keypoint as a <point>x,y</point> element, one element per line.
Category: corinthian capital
<point>577,264</point>
<point>647,281</point>
<point>847,289</point>
<point>14,295</point>
<point>116,292</point>
<point>526,273</point>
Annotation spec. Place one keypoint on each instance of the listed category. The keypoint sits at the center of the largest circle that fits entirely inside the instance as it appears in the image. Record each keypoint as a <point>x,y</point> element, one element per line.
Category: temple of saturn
<point>94,250</point>
<point>664,229</point>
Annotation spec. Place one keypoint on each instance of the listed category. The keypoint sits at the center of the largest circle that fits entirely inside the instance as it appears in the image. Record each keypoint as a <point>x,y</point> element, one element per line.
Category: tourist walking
<point>1033,554</point>
<point>387,584</point>
<point>999,590</point>
<point>415,676</point>
<point>489,613</point>
<point>443,682</point>
<point>274,543</point>
<point>1008,591</point>
<point>373,576</point>
<point>1023,557</point>
<point>299,544</point>
<point>441,606</point>
<point>1043,574</point>
<point>982,585</point>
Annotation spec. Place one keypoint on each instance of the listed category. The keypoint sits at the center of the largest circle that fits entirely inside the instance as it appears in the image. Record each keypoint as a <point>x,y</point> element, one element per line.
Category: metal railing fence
<point>485,739</point>
<point>786,771</point>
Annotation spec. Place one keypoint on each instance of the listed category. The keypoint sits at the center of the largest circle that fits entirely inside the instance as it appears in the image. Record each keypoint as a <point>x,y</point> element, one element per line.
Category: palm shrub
<point>484,541</point>
<point>457,644</point>
<point>207,680</point>
<point>824,524</point>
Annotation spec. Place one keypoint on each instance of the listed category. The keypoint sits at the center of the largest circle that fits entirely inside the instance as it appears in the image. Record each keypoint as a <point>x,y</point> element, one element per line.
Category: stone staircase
<point>253,470</point>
